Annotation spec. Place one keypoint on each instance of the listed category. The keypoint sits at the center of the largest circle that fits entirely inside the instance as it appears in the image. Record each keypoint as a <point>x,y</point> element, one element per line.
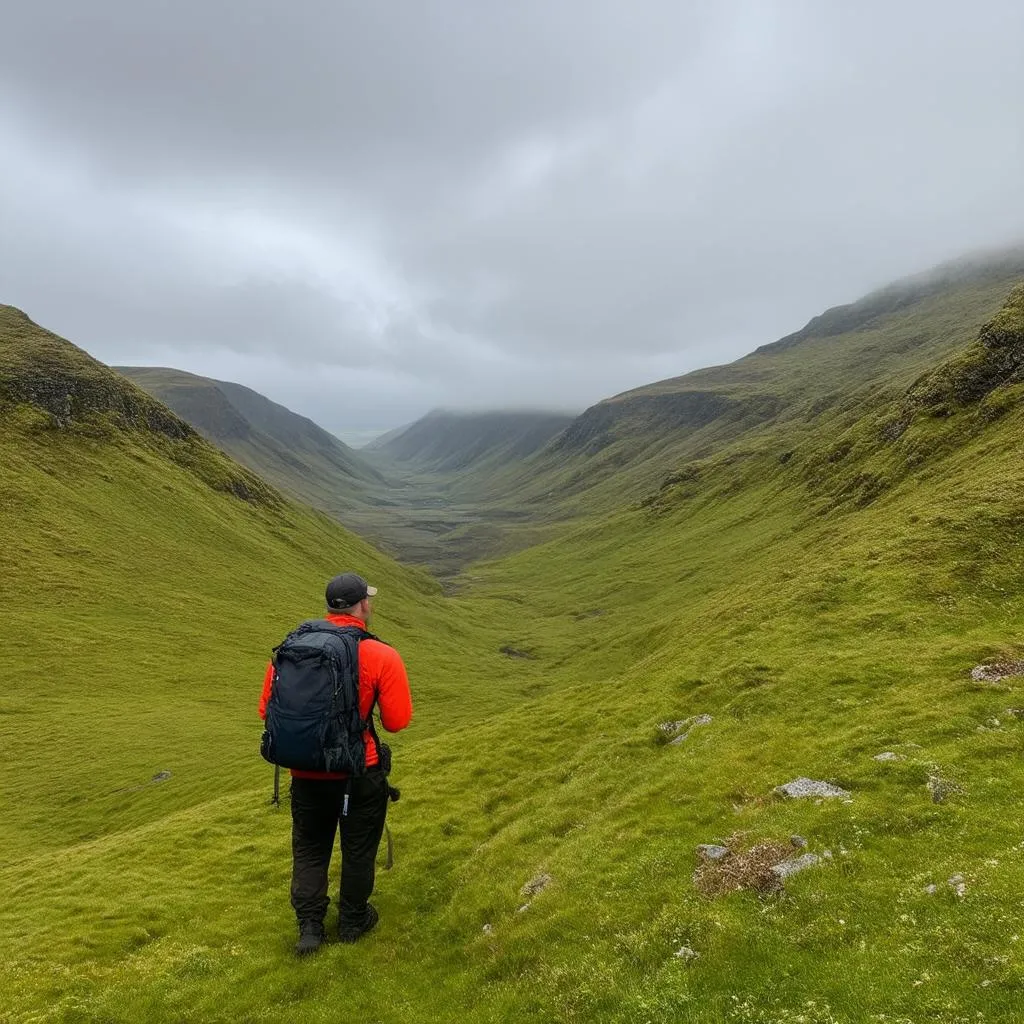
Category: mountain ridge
<point>287,448</point>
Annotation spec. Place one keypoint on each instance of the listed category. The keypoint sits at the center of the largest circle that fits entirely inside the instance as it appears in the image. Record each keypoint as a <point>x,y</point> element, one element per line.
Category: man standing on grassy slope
<point>325,801</point>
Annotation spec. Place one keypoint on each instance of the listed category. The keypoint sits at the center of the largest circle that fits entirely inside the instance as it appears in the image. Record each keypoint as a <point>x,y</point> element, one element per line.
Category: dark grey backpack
<point>313,721</point>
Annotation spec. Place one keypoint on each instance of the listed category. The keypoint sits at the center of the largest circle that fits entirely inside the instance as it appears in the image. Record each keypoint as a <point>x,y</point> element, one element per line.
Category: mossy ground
<point>816,625</point>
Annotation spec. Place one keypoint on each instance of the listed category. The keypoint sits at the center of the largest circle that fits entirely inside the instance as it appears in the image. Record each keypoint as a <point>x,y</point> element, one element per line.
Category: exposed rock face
<point>42,369</point>
<point>603,423</point>
<point>995,360</point>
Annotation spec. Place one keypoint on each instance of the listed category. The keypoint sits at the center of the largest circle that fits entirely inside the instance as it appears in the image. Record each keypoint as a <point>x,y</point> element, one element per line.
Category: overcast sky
<point>365,209</point>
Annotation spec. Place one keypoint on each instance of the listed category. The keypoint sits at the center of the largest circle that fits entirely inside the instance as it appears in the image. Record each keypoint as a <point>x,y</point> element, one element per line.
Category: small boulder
<point>940,789</point>
<point>803,787</point>
<point>535,885</point>
<point>671,728</point>
<point>888,755</point>
<point>488,929</point>
<point>686,954</point>
<point>790,867</point>
<point>958,885</point>
<point>711,852</point>
<point>799,842</point>
<point>689,725</point>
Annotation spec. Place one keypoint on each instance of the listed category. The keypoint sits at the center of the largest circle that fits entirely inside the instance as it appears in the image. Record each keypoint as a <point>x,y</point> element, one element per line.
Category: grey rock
<point>940,789</point>
<point>712,851</point>
<point>488,929</point>
<point>799,842</point>
<point>161,777</point>
<point>931,889</point>
<point>535,885</point>
<point>958,885</point>
<point>671,728</point>
<point>689,725</point>
<point>795,865</point>
<point>888,755</point>
<point>523,908</point>
<point>686,954</point>
<point>803,787</point>
<point>997,671</point>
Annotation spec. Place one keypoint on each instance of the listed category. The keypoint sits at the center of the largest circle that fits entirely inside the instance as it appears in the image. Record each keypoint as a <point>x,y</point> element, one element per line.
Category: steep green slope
<point>289,450</point>
<point>819,618</point>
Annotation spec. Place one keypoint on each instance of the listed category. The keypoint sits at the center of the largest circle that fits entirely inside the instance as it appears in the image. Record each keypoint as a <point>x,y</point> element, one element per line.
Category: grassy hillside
<point>288,450</point>
<point>839,360</point>
<point>820,591</point>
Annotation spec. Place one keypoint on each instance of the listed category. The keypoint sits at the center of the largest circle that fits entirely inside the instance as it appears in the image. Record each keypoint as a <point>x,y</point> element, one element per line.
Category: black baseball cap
<point>348,589</point>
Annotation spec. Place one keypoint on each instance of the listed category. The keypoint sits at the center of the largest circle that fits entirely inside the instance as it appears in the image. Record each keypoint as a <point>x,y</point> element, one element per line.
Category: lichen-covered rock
<point>940,788</point>
<point>795,864</point>
<point>688,725</point>
<point>803,787</point>
<point>997,671</point>
<point>535,885</point>
<point>712,851</point>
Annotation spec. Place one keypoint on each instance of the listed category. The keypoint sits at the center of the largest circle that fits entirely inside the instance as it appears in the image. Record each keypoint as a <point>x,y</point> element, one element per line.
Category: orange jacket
<point>382,677</point>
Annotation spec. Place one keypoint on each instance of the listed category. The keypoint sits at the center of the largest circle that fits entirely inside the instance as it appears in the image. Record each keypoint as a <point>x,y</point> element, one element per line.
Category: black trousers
<point>317,806</point>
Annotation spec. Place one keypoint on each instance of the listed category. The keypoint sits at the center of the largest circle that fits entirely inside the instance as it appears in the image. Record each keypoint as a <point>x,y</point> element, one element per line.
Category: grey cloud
<point>469,204</point>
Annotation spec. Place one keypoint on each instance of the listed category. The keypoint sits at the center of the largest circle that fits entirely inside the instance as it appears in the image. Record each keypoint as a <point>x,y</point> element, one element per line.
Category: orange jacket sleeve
<point>393,697</point>
<point>268,679</point>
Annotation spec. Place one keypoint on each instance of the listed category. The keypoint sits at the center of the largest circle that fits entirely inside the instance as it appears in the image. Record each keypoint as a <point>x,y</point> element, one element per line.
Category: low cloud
<point>365,212</point>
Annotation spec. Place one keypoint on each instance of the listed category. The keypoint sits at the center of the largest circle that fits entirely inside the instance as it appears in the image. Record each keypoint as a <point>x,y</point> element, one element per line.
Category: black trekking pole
<point>275,800</point>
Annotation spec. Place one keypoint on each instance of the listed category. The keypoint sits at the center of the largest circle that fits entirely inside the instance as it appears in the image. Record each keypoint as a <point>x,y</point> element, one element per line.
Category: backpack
<point>313,721</point>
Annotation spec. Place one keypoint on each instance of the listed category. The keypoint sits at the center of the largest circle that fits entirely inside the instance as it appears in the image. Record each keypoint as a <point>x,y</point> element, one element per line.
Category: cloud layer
<point>365,210</point>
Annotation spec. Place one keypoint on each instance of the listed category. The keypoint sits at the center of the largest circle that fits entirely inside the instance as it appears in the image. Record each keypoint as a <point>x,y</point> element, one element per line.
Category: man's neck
<point>346,615</point>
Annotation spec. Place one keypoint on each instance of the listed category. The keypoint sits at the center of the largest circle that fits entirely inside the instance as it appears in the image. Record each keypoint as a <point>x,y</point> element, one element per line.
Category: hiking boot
<point>349,931</point>
<point>311,937</point>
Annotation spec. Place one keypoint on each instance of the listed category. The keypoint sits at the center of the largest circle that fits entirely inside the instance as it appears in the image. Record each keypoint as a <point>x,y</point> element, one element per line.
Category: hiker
<point>338,783</point>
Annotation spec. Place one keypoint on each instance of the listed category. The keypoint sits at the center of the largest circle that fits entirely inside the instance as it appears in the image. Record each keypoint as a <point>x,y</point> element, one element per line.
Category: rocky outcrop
<point>995,360</point>
<point>40,368</point>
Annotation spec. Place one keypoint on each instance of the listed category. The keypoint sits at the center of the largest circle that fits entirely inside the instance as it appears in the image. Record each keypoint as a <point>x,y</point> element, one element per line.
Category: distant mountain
<point>449,442</point>
<point>287,449</point>
<point>382,439</point>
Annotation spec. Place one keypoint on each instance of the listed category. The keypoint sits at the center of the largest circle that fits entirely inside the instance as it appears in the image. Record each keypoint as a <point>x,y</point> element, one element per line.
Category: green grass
<point>818,618</point>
